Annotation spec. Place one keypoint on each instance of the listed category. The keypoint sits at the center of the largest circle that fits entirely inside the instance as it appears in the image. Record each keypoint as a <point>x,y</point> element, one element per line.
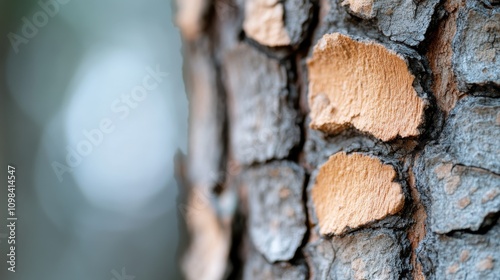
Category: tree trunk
<point>342,140</point>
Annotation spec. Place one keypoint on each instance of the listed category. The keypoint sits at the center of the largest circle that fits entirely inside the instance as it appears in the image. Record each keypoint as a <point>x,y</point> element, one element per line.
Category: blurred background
<point>93,110</point>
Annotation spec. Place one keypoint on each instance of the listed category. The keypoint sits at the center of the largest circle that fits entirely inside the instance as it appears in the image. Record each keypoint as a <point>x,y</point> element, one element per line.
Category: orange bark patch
<point>264,22</point>
<point>189,17</point>
<point>416,232</point>
<point>489,196</point>
<point>364,85</point>
<point>463,202</point>
<point>363,8</point>
<point>486,264</point>
<point>440,55</point>
<point>453,269</point>
<point>353,190</point>
<point>464,256</point>
<point>210,239</point>
<point>444,172</point>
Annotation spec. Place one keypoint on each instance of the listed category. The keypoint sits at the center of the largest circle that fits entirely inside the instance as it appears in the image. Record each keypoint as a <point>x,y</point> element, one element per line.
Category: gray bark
<point>250,127</point>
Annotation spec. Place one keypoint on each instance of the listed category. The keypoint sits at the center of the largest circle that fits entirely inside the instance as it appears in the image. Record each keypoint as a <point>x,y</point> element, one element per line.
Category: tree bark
<point>350,139</point>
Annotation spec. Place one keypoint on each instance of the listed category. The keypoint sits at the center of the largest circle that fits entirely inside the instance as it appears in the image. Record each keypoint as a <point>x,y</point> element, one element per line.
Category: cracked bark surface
<point>350,139</point>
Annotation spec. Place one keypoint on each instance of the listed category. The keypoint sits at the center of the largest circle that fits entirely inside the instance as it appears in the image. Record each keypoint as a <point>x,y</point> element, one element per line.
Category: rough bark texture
<point>334,139</point>
<point>362,85</point>
<point>353,190</point>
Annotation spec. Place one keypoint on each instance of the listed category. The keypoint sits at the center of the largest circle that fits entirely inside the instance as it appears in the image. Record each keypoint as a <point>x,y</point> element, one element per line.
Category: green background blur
<point>115,213</point>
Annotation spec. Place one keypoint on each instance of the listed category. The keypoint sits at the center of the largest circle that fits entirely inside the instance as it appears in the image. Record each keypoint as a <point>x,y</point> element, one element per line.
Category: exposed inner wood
<point>444,84</point>
<point>210,239</point>
<point>364,85</point>
<point>189,17</point>
<point>363,8</point>
<point>353,190</point>
<point>264,22</point>
<point>416,233</point>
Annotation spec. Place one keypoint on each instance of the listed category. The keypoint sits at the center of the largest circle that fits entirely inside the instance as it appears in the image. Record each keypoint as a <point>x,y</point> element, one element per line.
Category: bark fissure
<point>355,140</point>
